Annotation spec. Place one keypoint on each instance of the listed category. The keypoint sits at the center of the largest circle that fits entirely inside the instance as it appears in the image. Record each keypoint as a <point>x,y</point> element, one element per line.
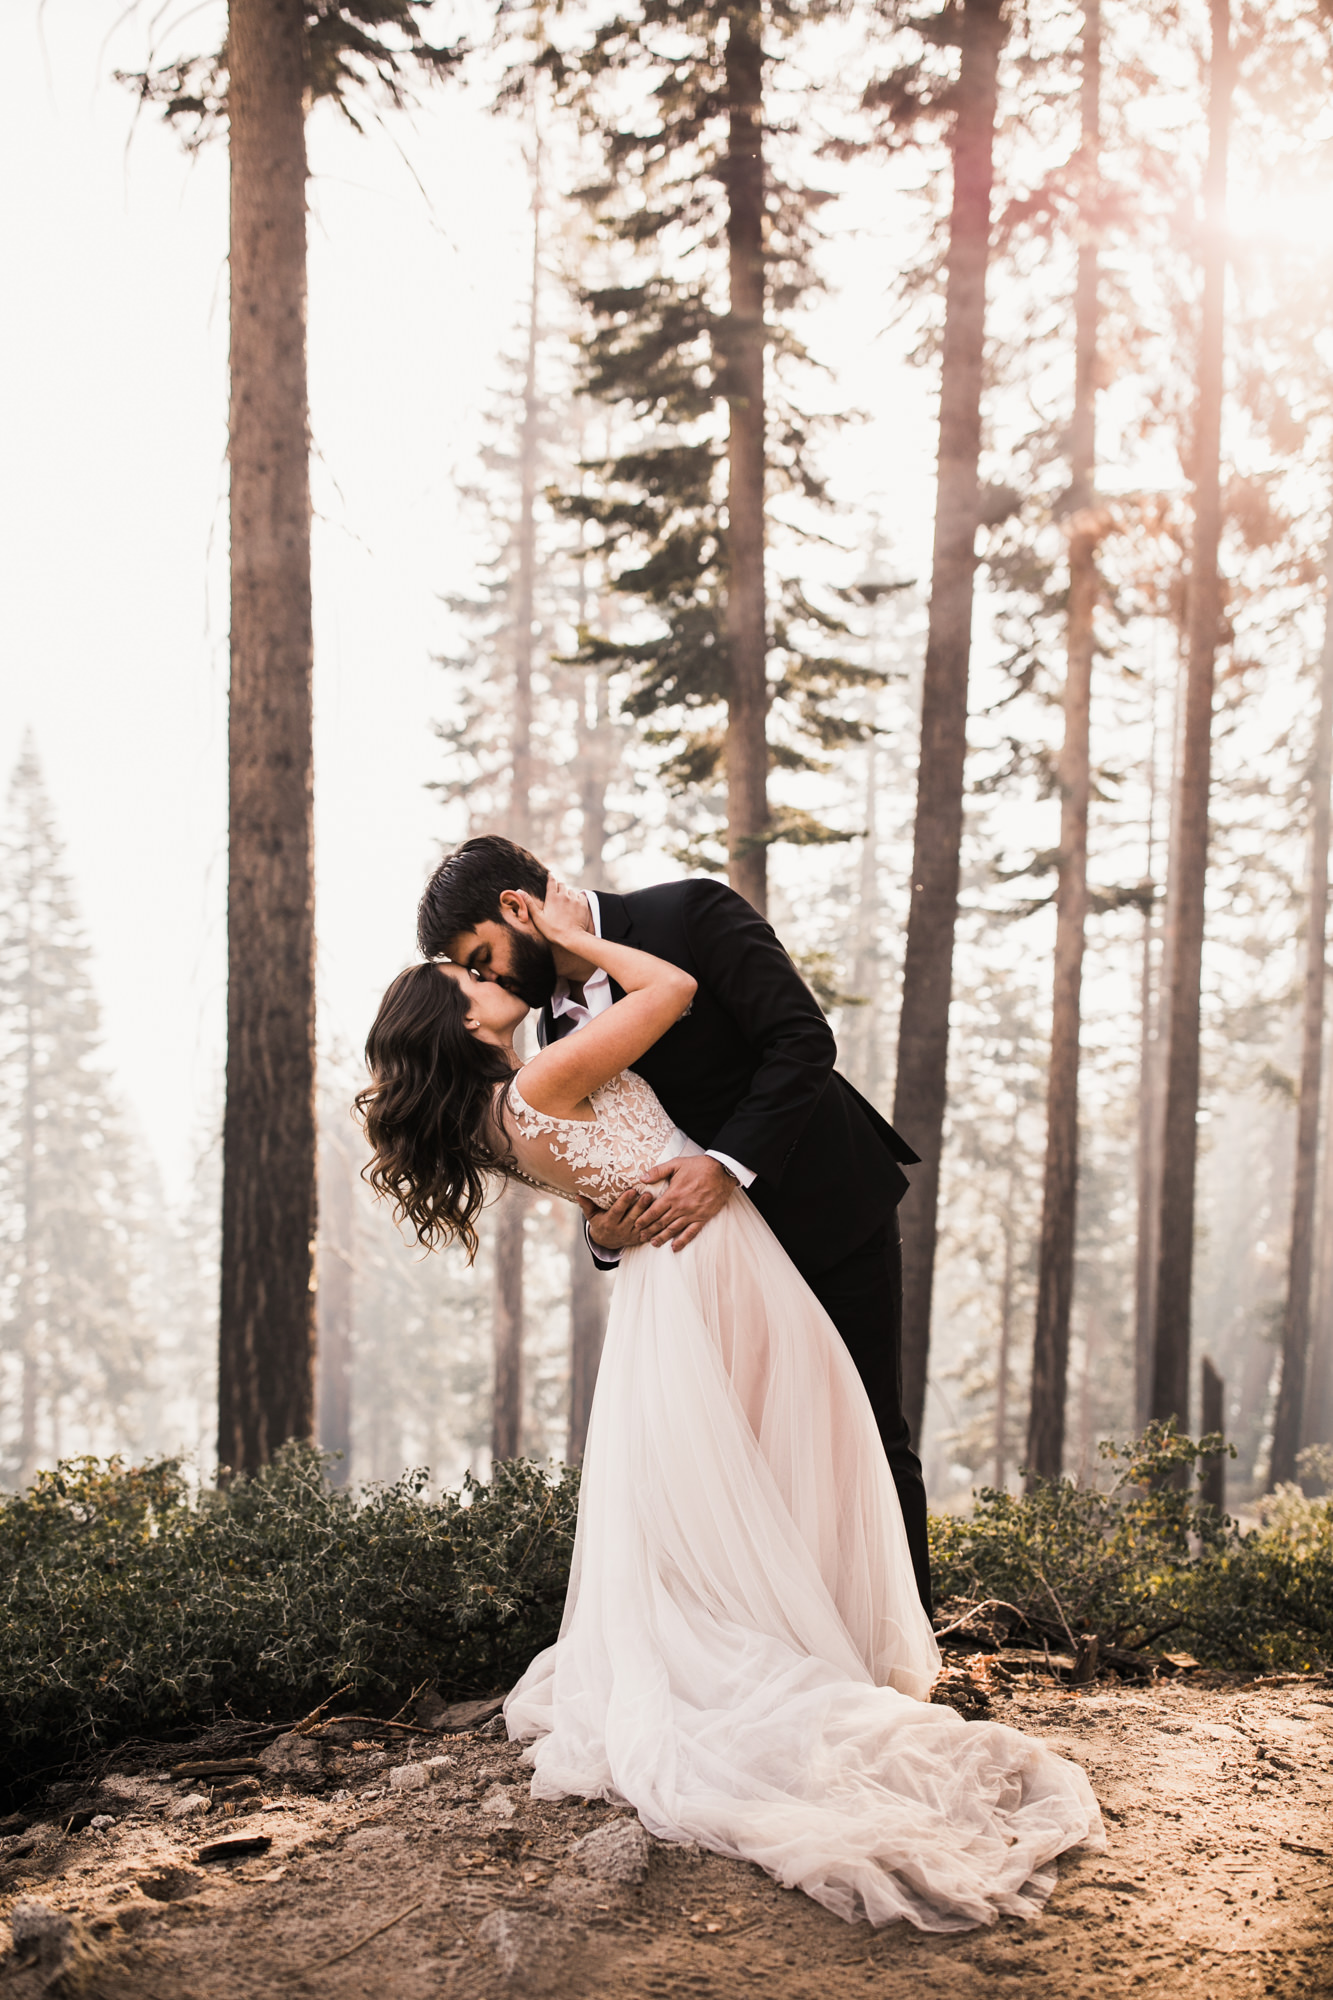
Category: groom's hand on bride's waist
<point>617,1228</point>
<point>687,1193</point>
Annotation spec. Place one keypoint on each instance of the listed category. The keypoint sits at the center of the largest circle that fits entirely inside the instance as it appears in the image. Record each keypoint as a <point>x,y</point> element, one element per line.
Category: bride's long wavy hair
<point>427,1109</point>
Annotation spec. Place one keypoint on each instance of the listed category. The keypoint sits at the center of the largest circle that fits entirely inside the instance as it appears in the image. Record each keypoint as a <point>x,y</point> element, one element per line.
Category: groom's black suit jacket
<point>749,1070</point>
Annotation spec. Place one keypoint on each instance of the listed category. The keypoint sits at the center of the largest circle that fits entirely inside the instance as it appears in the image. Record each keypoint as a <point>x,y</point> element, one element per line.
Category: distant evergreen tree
<point>72,1346</point>
<point>712,247</point>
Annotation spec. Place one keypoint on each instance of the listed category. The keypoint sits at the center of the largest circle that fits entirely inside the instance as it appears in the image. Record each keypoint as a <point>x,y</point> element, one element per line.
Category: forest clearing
<point>1218,1882</point>
<point>772,563</point>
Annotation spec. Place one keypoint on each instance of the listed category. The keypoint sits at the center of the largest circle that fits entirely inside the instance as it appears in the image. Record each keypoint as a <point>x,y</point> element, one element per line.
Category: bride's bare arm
<point>559,1080</point>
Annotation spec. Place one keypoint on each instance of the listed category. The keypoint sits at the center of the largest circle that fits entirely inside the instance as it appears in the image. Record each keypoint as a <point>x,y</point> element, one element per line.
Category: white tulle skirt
<point>743,1657</point>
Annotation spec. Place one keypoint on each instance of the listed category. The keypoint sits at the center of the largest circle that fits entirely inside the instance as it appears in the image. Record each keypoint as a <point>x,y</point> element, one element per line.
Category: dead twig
<point>308,1722</point>
<point>379,1931</point>
<point>1299,1847</point>
<point>975,1611</point>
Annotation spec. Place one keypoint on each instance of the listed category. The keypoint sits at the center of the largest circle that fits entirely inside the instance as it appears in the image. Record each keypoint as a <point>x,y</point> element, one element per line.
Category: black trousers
<point>863,1296</point>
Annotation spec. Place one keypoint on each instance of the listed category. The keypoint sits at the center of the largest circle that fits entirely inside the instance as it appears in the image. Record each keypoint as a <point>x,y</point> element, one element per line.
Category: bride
<point>743,1657</point>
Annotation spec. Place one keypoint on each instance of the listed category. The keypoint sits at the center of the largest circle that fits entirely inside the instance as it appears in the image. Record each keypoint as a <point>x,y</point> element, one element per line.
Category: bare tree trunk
<point>747,618</point>
<point>1212,1422</point>
<point>507,1306</point>
<point>510,1212</point>
<point>1288,1420</point>
<point>1006,1325</point>
<point>589,1300</point>
<point>923,1032</point>
<point>1318,1426</point>
<point>1059,1211</point>
<point>865,980</point>
<point>1175,1266</point>
<point>266,1360</point>
<point>335,1303</point>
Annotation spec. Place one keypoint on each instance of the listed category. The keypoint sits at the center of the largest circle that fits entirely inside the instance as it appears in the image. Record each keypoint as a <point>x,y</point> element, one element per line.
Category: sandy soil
<point>1219,1880</point>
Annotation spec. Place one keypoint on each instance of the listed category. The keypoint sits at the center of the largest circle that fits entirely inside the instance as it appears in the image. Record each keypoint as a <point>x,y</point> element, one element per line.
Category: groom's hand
<point>696,1188</point>
<point>617,1227</point>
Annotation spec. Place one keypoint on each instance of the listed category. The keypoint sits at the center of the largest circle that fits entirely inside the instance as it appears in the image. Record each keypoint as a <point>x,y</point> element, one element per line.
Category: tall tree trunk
<point>1155,989</point>
<point>1175,1264</point>
<point>923,1032</point>
<point>335,1303</point>
<point>743,375</point>
<point>1318,1424</point>
<point>862,1037</point>
<point>507,1322</point>
<point>1287,1423</point>
<point>1006,1321</point>
<point>589,1299</point>
<point>1212,1422</point>
<point>25,1303</point>
<point>589,1288</point>
<point>510,1212</point>
<point>1059,1209</point>
<point>266,1360</point>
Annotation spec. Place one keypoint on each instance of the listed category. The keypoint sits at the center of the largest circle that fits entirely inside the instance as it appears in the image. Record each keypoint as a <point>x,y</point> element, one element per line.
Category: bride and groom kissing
<point>746,1652</point>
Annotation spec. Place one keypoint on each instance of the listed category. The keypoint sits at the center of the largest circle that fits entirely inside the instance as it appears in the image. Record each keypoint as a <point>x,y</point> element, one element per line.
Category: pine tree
<point>923,1035</point>
<point>1171,1345</point>
<point>280,56</point>
<point>74,1347</point>
<point>1055,1283</point>
<point>712,245</point>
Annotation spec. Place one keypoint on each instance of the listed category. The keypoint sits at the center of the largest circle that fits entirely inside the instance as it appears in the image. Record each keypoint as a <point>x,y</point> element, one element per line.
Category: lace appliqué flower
<point>607,1153</point>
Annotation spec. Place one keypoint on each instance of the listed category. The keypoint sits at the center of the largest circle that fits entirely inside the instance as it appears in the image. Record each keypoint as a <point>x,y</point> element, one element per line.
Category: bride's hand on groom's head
<point>560,916</point>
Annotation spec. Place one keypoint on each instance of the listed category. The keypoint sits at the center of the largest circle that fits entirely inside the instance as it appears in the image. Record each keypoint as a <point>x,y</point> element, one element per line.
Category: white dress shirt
<point>597,997</point>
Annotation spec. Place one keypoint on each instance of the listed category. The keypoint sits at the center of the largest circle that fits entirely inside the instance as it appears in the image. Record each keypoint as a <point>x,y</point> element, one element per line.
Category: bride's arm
<point>560,1079</point>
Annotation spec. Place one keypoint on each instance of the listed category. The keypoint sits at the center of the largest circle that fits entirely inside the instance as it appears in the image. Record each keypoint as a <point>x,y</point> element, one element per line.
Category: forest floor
<point>453,1883</point>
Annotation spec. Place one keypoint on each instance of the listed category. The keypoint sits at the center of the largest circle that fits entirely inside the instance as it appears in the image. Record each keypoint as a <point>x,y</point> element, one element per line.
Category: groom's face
<point>521,963</point>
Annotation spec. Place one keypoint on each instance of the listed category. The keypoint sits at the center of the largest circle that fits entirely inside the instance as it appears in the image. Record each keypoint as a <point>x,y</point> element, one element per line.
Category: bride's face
<point>493,1012</point>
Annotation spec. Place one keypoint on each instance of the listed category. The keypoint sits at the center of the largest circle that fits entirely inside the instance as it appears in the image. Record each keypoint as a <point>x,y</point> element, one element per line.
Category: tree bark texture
<point>509,1214</point>
<point>1171,1344</point>
<point>589,1302</point>
<point>743,377</point>
<point>923,1032</point>
<point>1059,1209</point>
<point>1289,1416</point>
<point>1213,1484</point>
<point>1317,1427</point>
<point>335,1302</point>
<point>507,1304</point>
<point>266,1362</point>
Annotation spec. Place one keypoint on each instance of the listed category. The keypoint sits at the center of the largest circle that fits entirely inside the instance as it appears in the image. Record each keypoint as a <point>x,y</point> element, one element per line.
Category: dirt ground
<point>453,1883</point>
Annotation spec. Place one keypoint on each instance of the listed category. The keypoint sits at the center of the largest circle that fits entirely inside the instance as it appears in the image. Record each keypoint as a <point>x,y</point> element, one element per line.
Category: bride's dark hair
<point>427,1108</point>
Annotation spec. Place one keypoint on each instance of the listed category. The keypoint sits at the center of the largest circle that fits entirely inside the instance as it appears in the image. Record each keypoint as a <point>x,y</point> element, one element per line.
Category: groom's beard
<point>532,974</point>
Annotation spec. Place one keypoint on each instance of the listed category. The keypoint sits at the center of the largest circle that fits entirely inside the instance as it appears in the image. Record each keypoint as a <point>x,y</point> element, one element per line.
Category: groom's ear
<point>513,911</point>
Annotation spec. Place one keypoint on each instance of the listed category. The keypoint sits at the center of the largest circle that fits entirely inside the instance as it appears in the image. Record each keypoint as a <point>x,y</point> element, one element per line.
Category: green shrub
<point>129,1607</point>
<point>1145,1563</point>
<point>132,1608</point>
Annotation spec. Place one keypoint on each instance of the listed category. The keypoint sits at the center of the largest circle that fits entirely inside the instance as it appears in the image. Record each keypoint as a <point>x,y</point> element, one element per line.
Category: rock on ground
<point>618,1852</point>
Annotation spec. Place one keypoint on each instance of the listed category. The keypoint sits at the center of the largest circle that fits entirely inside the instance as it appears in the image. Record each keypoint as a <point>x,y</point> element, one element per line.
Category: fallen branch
<point>379,1931</point>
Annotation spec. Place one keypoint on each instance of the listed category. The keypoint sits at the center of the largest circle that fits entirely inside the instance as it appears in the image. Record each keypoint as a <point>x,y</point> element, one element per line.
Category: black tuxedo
<point>748,1070</point>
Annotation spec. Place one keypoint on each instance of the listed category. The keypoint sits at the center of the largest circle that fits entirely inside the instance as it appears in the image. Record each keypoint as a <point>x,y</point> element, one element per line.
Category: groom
<point>747,1072</point>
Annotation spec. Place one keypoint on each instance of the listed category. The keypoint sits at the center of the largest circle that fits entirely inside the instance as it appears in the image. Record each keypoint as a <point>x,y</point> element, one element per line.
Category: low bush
<point>1143,1563</point>
<point>131,1607</point>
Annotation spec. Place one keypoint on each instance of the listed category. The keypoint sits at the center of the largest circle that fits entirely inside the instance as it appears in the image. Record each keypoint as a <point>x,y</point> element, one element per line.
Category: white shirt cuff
<point>745,1175</point>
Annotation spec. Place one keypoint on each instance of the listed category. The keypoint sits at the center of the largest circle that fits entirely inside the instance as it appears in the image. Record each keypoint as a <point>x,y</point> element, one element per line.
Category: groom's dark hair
<point>465,889</point>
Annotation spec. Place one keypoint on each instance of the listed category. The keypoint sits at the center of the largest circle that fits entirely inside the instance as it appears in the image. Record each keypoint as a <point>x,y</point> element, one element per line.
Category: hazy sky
<point>114,532</point>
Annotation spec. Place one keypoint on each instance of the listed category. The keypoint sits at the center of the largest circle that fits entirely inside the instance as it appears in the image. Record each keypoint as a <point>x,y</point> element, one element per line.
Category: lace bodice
<point>601,1156</point>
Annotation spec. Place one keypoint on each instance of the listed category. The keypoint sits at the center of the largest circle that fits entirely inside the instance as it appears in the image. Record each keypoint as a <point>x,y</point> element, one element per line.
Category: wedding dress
<point>743,1658</point>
